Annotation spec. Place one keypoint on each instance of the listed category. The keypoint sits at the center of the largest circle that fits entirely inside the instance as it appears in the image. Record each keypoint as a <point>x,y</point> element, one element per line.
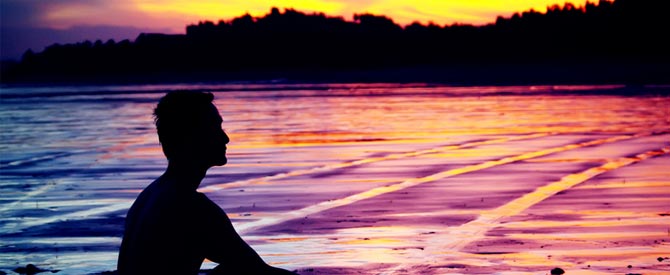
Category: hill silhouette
<point>608,42</point>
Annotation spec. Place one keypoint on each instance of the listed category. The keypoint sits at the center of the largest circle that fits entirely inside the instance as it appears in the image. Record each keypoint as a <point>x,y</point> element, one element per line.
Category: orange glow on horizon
<point>176,14</point>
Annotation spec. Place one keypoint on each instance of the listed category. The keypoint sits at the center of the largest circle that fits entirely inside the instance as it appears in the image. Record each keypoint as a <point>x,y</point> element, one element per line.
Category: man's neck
<point>185,174</point>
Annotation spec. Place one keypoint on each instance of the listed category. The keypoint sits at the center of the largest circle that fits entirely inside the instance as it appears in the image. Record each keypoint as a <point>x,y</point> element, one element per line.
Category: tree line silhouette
<point>611,37</point>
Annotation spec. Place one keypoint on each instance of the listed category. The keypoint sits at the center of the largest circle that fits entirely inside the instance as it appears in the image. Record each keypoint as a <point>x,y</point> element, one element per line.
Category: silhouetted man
<point>171,228</point>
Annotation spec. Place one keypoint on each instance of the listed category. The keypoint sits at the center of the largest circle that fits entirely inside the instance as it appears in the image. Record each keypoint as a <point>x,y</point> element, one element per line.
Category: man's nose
<point>226,139</point>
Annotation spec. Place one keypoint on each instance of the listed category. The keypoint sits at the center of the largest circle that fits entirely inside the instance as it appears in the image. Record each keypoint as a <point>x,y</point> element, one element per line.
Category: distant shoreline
<point>457,75</point>
<point>278,88</point>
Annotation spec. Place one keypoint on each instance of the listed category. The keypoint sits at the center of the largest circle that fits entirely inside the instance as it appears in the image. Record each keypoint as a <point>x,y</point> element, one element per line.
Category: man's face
<point>211,140</point>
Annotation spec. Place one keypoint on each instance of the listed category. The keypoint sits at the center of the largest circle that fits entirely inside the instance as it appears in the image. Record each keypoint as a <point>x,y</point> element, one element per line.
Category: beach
<point>357,178</point>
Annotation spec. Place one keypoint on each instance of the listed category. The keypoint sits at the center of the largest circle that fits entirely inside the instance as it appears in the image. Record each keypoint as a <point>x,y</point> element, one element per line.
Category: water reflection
<point>78,156</point>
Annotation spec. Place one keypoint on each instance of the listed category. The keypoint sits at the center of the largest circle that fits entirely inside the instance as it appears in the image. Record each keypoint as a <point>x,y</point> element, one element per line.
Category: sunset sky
<point>37,23</point>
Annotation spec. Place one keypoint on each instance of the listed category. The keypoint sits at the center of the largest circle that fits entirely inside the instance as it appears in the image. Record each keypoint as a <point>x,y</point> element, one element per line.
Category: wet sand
<point>395,180</point>
<point>477,223</point>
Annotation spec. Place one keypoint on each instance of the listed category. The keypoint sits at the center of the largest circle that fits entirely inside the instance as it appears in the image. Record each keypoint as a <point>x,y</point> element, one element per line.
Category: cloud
<point>63,14</point>
<point>15,13</point>
<point>16,40</point>
<point>35,24</point>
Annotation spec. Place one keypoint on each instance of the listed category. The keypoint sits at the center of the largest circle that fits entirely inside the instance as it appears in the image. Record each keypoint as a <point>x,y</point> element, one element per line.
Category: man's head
<point>189,128</point>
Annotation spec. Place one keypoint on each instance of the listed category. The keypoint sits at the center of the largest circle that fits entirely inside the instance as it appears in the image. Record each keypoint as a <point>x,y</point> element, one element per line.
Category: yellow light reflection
<point>371,242</point>
<point>590,213</point>
<point>582,237</point>
<point>287,240</point>
<point>601,223</point>
<point>532,259</point>
<point>628,184</point>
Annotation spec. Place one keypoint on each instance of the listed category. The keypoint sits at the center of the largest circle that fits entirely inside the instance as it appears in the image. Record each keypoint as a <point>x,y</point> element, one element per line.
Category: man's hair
<point>178,113</point>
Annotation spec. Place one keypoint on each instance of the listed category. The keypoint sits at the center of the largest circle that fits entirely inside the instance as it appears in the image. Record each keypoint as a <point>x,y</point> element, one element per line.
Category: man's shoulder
<point>204,201</point>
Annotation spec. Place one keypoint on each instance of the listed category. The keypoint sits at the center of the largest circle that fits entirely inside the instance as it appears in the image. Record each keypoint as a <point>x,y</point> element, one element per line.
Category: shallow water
<point>355,178</point>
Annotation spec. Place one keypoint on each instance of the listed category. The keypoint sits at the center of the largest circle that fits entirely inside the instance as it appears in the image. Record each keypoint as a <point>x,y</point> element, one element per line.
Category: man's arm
<point>224,246</point>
